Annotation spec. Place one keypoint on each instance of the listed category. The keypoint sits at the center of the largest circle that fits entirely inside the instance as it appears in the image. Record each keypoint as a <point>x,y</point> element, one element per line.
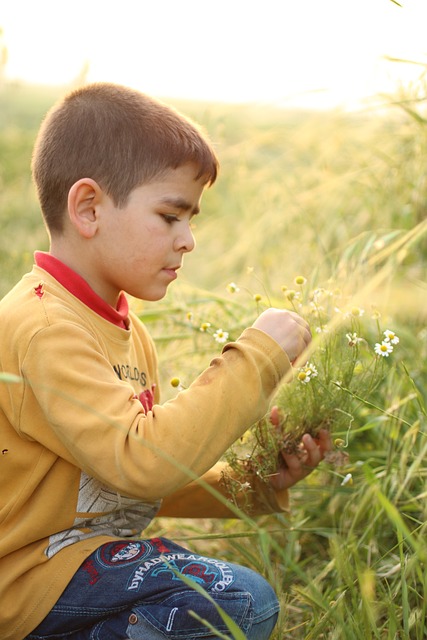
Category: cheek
<point>139,239</point>
<point>146,247</point>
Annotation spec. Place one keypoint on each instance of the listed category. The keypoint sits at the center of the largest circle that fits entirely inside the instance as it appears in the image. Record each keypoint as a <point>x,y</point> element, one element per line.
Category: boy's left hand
<point>293,467</point>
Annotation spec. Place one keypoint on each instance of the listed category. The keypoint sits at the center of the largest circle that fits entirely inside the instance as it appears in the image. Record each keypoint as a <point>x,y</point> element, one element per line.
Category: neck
<point>80,259</point>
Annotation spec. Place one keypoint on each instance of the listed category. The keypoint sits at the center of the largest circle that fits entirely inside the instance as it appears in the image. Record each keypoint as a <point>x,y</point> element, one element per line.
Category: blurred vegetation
<point>22,231</point>
<point>339,198</point>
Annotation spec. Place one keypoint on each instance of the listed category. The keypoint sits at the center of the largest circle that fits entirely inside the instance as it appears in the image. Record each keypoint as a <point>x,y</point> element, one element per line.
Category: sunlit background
<point>311,53</point>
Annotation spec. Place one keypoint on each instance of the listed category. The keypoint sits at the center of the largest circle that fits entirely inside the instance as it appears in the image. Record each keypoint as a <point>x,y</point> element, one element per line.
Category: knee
<point>252,582</point>
<point>265,605</point>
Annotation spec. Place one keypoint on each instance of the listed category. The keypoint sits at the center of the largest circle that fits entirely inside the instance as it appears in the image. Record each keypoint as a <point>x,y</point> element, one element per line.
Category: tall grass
<point>338,198</point>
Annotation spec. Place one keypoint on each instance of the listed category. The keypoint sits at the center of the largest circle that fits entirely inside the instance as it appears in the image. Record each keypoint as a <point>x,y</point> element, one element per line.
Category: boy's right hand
<point>287,328</point>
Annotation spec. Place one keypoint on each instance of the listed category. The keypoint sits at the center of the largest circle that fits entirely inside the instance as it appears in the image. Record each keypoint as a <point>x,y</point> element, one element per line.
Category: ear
<point>84,199</point>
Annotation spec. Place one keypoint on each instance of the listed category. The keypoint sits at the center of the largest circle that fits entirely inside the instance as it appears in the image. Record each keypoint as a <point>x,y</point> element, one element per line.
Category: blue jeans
<point>131,589</point>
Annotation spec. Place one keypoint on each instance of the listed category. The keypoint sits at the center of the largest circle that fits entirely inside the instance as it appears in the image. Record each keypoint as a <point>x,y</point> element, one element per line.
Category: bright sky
<point>316,53</point>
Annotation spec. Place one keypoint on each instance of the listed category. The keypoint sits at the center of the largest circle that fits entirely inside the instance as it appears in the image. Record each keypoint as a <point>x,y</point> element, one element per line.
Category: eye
<point>168,218</point>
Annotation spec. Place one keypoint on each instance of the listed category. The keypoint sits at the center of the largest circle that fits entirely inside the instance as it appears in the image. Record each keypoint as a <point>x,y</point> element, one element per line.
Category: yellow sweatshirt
<point>87,453</point>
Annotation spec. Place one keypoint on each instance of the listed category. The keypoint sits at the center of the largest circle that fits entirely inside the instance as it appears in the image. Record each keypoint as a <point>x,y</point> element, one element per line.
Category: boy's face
<point>141,246</point>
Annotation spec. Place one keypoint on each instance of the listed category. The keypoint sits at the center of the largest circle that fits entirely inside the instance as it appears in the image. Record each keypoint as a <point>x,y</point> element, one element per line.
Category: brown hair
<point>117,136</point>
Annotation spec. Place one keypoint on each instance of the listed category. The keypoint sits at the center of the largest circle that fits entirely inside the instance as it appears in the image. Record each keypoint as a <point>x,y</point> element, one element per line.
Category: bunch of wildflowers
<point>349,359</point>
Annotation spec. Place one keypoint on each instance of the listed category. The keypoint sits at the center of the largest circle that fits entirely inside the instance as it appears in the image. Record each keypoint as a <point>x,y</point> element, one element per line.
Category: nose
<point>185,241</point>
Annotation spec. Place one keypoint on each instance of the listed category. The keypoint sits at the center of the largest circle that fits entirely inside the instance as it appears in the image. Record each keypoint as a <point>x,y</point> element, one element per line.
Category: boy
<point>89,454</point>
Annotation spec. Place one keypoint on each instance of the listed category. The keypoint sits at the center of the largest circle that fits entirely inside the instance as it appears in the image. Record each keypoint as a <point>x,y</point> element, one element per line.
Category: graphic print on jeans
<point>213,575</point>
<point>131,588</point>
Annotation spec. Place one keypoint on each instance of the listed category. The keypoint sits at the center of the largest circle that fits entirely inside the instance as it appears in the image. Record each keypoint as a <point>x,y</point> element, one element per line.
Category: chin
<point>153,296</point>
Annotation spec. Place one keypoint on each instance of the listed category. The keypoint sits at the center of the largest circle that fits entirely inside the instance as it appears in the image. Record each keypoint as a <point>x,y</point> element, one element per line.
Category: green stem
<point>373,406</point>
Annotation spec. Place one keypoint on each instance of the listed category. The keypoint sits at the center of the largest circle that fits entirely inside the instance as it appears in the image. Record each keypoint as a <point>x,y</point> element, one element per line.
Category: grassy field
<point>338,201</point>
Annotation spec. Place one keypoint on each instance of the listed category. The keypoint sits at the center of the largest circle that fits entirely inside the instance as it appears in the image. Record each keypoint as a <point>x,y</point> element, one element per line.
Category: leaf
<point>9,377</point>
<point>400,526</point>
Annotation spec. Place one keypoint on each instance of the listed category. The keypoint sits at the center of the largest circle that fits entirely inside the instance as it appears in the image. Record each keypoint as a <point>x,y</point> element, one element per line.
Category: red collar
<point>76,285</point>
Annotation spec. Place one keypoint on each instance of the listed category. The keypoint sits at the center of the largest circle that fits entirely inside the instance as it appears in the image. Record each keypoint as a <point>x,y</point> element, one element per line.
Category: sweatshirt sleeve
<point>209,497</point>
<point>95,422</point>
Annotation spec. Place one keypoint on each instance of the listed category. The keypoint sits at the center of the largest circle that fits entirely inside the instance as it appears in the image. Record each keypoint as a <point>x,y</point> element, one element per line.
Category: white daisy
<point>312,369</point>
<point>220,336</point>
<point>383,348</point>
<point>304,376</point>
<point>390,336</point>
<point>353,339</point>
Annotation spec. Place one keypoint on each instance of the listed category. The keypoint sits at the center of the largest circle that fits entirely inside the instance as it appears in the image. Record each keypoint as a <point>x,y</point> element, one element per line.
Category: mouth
<point>172,271</point>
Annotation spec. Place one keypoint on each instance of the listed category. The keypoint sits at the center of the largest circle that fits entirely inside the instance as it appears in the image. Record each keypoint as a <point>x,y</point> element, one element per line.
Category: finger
<point>313,451</point>
<point>300,320</point>
<point>291,469</point>
<point>325,440</point>
<point>295,463</point>
<point>275,416</point>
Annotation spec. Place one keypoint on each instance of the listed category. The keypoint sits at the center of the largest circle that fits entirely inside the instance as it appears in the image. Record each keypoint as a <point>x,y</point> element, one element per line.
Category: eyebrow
<point>180,203</point>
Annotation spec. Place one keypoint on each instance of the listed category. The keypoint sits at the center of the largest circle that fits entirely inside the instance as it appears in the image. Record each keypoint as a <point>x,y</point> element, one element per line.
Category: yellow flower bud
<point>357,312</point>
